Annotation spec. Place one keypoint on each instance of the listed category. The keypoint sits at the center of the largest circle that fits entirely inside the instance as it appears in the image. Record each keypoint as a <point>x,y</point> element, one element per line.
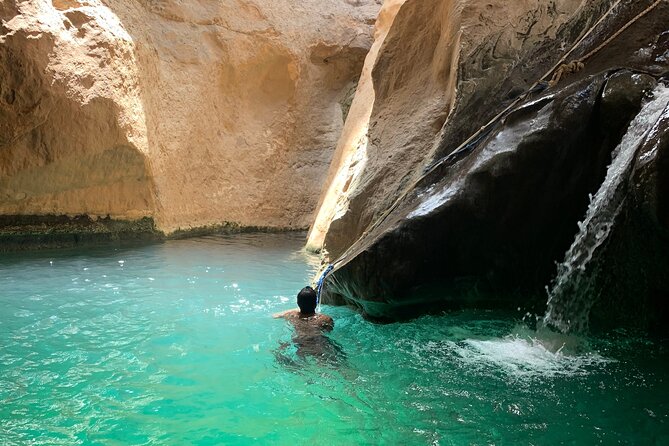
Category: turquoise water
<point>174,344</point>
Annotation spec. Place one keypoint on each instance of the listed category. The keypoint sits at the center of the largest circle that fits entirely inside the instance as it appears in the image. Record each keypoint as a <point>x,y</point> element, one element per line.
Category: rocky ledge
<point>22,232</point>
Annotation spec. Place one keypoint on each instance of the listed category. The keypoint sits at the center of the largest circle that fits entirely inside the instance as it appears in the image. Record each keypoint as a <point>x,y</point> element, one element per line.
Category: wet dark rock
<point>622,96</point>
<point>504,210</point>
<point>486,85</point>
<point>34,232</point>
<point>488,228</point>
<point>632,272</point>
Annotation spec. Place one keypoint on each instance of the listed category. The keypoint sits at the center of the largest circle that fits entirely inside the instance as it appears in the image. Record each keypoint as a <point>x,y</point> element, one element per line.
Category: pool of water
<point>175,344</point>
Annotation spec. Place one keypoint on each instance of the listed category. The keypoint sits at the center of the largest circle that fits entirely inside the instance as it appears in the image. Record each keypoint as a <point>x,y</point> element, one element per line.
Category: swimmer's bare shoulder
<point>288,314</point>
<point>323,321</point>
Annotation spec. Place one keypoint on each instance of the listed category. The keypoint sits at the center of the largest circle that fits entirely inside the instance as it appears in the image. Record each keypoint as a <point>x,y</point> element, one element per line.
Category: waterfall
<point>573,292</point>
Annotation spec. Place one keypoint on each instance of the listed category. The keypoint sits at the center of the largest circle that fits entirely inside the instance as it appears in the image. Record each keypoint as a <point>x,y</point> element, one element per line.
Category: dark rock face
<point>631,274</point>
<point>473,228</point>
<point>490,77</point>
<point>487,226</point>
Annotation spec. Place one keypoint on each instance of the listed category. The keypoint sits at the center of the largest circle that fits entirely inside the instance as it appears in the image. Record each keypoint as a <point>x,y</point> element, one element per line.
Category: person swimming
<point>310,328</point>
<point>307,300</point>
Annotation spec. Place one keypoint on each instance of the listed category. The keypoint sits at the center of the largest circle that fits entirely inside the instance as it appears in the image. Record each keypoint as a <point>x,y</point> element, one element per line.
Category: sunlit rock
<point>350,157</point>
<point>191,113</point>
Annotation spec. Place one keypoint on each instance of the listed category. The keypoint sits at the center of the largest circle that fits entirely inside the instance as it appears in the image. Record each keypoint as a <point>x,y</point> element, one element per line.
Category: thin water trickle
<point>177,346</point>
<point>572,294</point>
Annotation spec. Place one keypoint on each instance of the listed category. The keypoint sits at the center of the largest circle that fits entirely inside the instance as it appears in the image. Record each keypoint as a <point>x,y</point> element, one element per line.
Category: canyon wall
<point>193,114</point>
<point>350,156</point>
<point>491,127</point>
<point>438,56</point>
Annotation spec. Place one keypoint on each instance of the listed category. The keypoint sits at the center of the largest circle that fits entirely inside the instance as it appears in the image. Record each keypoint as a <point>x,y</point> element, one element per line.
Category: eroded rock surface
<point>73,137</point>
<point>438,223</point>
<point>191,113</point>
<point>350,156</point>
<point>441,58</point>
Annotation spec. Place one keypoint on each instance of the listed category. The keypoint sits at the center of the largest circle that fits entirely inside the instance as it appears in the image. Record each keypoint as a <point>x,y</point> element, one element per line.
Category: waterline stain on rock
<point>25,232</point>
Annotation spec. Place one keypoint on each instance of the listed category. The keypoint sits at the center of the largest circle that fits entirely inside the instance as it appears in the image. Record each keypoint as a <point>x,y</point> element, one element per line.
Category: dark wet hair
<point>306,300</point>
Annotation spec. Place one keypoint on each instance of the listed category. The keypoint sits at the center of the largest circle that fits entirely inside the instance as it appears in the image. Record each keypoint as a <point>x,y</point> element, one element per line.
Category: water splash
<point>573,292</point>
<point>528,357</point>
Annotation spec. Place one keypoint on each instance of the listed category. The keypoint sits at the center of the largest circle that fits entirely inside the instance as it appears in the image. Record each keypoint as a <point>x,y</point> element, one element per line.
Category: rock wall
<point>439,219</point>
<point>439,57</point>
<point>350,156</point>
<point>73,136</point>
<point>192,113</point>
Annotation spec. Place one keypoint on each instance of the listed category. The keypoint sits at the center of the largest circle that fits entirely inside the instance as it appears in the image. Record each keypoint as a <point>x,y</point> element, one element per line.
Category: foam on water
<point>529,357</point>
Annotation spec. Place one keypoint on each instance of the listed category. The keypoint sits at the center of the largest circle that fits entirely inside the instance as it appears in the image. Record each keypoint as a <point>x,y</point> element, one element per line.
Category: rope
<point>558,70</point>
<point>561,66</point>
<point>624,27</point>
<point>577,65</point>
<point>319,286</point>
<point>566,68</point>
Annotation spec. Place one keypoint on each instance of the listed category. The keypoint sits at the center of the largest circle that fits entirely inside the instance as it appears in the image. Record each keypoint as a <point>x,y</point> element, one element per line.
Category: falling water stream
<point>573,294</point>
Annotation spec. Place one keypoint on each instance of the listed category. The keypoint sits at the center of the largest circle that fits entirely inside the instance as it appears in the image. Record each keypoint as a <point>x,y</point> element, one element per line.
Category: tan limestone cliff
<point>72,130</point>
<point>438,56</point>
<point>193,113</point>
<point>350,156</point>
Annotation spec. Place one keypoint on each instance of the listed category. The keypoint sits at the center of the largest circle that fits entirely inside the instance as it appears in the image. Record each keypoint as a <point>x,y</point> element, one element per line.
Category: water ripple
<point>176,346</point>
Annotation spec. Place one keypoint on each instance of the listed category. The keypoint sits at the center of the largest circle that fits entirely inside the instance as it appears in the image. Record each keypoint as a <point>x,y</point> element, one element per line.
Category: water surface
<point>174,344</point>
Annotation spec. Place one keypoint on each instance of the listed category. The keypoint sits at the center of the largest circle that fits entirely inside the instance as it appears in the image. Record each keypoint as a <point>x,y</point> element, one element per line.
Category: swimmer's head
<point>306,300</point>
